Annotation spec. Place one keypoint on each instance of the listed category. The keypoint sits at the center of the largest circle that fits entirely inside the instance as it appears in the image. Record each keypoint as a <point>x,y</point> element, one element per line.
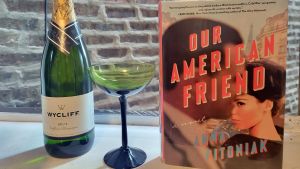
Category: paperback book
<point>222,83</point>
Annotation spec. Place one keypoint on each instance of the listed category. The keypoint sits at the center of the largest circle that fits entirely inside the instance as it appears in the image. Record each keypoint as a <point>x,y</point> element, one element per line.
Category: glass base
<point>125,158</point>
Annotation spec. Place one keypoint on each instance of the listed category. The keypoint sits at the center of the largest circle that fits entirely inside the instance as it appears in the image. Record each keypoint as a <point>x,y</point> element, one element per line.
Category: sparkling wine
<point>122,78</point>
<point>66,88</point>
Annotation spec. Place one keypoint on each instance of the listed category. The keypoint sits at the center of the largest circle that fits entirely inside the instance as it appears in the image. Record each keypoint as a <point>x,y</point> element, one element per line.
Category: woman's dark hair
<point>175,44</point>
<point>274,83</point>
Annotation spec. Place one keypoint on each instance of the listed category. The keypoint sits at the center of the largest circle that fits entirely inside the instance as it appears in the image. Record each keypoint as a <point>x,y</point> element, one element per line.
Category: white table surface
<point>21,146</point>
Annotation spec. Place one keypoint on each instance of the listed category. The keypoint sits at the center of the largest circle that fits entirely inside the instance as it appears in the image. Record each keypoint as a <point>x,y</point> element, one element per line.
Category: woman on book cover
<point>254,112</point>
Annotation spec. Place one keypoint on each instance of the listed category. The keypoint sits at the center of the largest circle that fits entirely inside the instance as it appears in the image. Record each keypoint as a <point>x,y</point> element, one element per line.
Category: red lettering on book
<point>200,93</point>
<point>215,61</point>
<point>193,42</point>
<point>238,59</point>
<point>205,38</point>
<point>269,45</point>
<point>241,83</point>
<point>186,95</point>
<point>189,71</point>
<point>214,94</point>
<point>258,78</point>
<point>254,52</point>
<point>217,31</point>
<point>202,65</point>
<point>225,86</point>
<point>175,75</point>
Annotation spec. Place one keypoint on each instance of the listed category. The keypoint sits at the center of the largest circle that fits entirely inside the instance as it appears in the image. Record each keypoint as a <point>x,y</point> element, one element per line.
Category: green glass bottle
<point>66,88</point>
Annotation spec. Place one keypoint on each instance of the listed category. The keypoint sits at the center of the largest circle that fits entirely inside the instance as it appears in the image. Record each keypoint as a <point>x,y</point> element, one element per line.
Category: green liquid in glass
<point>122,78</point>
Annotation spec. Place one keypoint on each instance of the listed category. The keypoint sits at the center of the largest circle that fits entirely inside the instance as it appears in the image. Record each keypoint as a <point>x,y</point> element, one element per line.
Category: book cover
<point>222,83</point>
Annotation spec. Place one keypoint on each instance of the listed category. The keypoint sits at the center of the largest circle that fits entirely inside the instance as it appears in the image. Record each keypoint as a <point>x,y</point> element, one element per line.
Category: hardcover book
<point>222,83</point>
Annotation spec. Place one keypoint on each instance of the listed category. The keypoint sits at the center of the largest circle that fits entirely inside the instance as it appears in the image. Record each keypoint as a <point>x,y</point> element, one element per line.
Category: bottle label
<point>64,38</point>
<point>68,116</point>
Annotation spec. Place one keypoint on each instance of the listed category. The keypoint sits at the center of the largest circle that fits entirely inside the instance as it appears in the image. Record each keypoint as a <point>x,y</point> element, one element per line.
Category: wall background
<point>113,30</point>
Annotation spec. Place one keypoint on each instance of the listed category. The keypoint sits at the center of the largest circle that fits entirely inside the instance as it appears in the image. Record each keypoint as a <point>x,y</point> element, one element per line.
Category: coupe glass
<point>122,80</point>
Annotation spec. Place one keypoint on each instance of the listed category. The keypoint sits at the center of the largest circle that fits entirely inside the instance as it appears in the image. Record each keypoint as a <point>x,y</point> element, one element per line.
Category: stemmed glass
<point>122,80</point>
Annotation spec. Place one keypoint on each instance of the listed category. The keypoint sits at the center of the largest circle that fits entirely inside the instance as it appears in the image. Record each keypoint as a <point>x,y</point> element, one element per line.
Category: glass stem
<point>123,103</point>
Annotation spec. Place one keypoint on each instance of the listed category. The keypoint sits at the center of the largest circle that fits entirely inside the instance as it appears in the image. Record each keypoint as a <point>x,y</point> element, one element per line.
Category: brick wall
<point>112,31</point>
<point>293,57</point>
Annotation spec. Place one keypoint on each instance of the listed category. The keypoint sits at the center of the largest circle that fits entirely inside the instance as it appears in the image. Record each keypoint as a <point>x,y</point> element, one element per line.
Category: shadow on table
<point>33,159</point>
<point>153,164</point>
<point>158,164</point>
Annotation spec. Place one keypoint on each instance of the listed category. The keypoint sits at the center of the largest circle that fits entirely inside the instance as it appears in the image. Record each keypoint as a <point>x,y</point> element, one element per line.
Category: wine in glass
<point>122,80</point>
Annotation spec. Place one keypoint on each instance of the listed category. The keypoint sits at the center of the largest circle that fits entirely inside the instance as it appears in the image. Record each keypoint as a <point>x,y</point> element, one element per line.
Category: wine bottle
<point>66,87</point>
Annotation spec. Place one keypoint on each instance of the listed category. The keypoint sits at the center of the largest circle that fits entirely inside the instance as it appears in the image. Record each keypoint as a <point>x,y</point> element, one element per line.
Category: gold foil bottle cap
<point>63,12</point>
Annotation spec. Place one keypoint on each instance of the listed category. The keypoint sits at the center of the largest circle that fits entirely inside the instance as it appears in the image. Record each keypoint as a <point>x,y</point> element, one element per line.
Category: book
<point>222,83</point>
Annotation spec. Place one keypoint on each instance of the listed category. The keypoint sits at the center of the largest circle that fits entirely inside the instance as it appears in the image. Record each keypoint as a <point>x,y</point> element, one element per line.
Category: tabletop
<point>22,146</point>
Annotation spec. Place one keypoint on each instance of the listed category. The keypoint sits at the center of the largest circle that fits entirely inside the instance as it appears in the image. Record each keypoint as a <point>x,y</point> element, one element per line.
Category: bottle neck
<point>63,12</point>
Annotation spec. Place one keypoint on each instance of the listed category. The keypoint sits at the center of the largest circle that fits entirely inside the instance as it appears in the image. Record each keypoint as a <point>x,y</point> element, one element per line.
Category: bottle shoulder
<point>64,74</point>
